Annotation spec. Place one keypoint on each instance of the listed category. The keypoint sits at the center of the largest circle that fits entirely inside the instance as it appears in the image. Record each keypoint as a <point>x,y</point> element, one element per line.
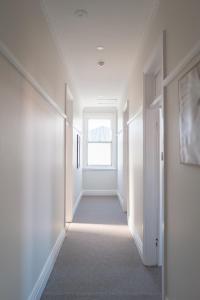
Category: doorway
<point>125,158</point>
<point>153,246</point>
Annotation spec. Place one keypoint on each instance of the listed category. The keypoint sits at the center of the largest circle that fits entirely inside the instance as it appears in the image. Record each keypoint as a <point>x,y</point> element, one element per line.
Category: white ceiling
<point>115,24</point>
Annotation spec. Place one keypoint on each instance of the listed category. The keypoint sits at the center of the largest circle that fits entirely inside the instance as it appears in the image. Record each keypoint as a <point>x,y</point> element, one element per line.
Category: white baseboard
<point>99,193</point>
<point>137,240</point>
<point>138,244</point>
<point>46,271</point>
<point>121,200</point>
<point>78,199</point>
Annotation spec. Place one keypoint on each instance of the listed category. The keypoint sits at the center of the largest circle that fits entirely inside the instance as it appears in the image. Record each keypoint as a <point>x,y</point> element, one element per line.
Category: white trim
<point>151,157</point>
<point>121,200</point>
<point>138,243</point>
<point>24,73</point>
<point>99,169</point>
<point>67,224</point>
<point>46,270</point>
<point>183,63</point>
<point>69,93</point>
<point>78,199</point>
<point>77,130</point>
<point>137,240</point>
<point>135,115</point>
<point>125,106</point>
<point>99,192</point>
<point>120,131</point>
<point>157,102</point>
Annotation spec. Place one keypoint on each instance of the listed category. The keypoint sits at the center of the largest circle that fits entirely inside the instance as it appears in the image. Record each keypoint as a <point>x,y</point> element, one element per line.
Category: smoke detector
<point>101,63</point>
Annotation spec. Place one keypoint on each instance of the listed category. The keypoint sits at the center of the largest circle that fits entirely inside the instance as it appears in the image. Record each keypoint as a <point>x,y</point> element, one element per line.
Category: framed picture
<point>78,151</point>
<point>189,97</point>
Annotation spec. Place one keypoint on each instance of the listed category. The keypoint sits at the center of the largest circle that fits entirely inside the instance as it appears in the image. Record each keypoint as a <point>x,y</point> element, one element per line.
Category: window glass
<point>99,142</point>
<point>99,154</point>
<point>99,130</point>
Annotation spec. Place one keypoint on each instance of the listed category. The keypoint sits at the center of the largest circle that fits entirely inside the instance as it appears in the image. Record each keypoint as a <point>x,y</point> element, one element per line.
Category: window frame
<point>100,115</point>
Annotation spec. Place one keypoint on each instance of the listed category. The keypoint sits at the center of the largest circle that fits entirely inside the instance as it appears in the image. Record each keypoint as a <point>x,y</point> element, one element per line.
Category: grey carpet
<point>99,260</point>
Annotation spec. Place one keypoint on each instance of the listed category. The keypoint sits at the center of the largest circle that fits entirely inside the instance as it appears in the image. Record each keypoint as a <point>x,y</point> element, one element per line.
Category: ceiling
<point>117,25</point>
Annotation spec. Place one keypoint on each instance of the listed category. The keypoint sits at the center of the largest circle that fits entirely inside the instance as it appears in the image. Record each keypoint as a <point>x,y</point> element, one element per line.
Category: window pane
<point>99,154</point>
<point>99,130</point>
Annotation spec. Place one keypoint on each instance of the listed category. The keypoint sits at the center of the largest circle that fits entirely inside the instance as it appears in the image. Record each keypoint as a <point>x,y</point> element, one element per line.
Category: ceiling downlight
<point>100,48</point>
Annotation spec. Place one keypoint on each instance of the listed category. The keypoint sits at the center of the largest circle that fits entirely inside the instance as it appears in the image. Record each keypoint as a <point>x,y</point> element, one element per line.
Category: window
<point>100,141</point>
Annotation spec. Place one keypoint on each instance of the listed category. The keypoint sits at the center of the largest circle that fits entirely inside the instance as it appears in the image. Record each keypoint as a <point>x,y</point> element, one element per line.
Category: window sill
<point>99,169</point>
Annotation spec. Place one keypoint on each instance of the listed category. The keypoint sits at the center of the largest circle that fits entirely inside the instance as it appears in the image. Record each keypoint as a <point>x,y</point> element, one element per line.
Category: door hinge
<point>157,241</point>
<point>162,156</point>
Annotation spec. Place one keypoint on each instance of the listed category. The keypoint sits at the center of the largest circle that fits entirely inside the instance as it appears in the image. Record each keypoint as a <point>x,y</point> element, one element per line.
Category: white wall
<point>181,21</point>
<point>100,180</point>
<point>135,218</point>
<point>31,183</point>
<point>31,149</point>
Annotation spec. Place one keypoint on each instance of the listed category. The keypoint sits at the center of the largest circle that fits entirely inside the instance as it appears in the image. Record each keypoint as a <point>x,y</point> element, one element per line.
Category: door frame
<point>68,157</point>
<point>154,115</point>
<point>126,159</point>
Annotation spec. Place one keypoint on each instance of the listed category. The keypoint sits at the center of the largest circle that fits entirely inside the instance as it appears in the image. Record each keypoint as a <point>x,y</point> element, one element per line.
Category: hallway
<point>99,260</point>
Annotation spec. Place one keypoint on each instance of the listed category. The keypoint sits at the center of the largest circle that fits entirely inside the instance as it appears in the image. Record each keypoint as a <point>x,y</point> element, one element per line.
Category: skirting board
<point>121,200</point>
<point>78,199</point>
<point>137,240</point>
<point>99,193</point>
<point>46,271</point>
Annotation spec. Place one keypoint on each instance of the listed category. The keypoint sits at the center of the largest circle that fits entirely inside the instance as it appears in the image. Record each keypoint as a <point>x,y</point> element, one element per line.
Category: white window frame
<point>99,115</point>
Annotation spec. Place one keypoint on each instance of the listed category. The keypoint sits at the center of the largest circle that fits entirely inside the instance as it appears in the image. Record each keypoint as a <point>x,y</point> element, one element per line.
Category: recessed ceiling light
<point>100,48</point>
<point>80,13</point>
<point>101,63</point>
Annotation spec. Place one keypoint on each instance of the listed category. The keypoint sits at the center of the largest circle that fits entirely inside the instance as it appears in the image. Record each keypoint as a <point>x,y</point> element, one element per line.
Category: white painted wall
<point>135,218</point>
<point>96,180</point>
<point>31,149</point>
<point>31,183</point>
<point>181,21</point>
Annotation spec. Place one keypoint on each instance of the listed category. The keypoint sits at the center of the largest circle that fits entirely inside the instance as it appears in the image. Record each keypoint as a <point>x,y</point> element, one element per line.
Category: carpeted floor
<point>99,260</point>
